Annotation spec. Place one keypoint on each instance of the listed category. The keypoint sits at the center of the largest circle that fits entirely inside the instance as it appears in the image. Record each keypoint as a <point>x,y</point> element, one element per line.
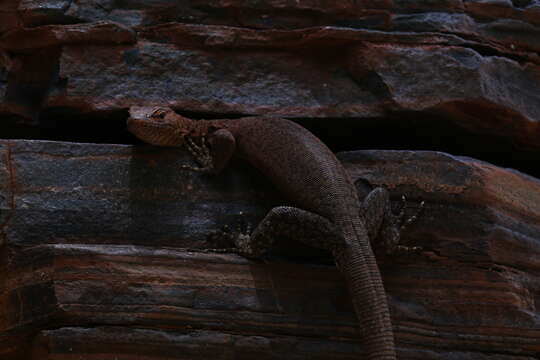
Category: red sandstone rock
<point>54,35</point>
<point>438,74</point>
<point>92,260</point>
<point>91,236</point>
<point>291,58</point>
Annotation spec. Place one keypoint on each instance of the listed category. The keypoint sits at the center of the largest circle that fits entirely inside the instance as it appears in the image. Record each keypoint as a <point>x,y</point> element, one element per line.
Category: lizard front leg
<point>214,152</point>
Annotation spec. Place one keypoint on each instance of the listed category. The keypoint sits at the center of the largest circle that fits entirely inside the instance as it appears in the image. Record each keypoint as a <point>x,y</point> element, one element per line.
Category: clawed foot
<point>400,218</point>
<point>240,238</point>
<point>401,249</point>
<point>222,239</point>
<point>202,156</point>
<point>243,241</point>
<point>399,224</point>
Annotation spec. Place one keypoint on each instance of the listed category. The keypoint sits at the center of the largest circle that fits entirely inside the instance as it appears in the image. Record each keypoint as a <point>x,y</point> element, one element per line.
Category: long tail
<point>357,263</point>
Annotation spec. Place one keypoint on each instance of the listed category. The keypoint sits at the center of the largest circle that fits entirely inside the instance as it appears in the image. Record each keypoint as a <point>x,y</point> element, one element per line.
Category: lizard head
<point>158,125</point>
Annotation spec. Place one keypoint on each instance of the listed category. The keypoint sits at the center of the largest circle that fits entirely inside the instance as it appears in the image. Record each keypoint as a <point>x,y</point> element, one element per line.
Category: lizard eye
<point>159,113</point>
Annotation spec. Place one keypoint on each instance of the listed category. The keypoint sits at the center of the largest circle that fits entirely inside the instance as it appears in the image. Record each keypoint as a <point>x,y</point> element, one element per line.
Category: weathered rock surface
<point>32,59</point>
<point>93,238</point>
<point>54,35</point>
<point>93,264</point>
<point>474,62</point>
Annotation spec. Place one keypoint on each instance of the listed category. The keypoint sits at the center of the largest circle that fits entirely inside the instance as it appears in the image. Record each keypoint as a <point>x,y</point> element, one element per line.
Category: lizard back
<point>298,163</point>
<point>313,179</point>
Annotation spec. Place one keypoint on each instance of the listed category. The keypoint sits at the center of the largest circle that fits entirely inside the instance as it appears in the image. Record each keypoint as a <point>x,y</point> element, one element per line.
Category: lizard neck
<point>200,128</point>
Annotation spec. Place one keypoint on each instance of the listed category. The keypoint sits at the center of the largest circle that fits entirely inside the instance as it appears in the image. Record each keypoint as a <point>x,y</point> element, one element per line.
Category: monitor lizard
<point>326,211</point>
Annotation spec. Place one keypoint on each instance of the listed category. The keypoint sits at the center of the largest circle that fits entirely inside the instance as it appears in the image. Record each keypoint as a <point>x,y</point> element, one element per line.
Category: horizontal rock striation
<point>475,63</point>
<point>101,245</point>
<point>95,265</point>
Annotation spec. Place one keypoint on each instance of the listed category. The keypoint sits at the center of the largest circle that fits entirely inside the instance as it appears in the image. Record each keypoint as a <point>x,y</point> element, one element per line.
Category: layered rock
<point>95,263</point>
<point>475,63</point>
<point>100,245</point>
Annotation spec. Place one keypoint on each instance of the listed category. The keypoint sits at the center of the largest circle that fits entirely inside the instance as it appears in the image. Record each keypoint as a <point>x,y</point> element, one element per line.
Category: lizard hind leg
<point>289,223</point>
<point>384,228</point>
<point>374,208</point>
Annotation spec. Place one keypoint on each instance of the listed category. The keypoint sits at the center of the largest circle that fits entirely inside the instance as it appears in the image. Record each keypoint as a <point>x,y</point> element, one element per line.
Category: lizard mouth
<point>153,132</point>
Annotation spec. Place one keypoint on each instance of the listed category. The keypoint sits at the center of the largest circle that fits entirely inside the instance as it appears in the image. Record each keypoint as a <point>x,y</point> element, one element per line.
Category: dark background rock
<point>470,68</point>
<point>93,237</point>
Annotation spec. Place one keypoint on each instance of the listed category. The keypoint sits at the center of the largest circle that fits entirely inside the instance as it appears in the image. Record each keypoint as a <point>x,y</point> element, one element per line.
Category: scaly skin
<point>326,209</point>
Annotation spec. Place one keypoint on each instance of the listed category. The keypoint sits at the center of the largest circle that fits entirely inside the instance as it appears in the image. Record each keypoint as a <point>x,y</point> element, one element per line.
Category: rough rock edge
<point>102,32</point>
